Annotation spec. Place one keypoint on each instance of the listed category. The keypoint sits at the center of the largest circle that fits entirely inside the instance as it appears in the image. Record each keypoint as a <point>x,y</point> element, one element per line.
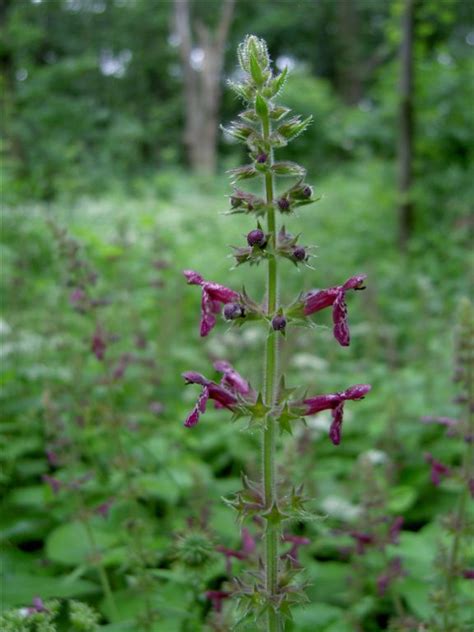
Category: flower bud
<point>261,158</point>
<point>283,204</point>
<point>299,253</point>
<point>307,192</point>
<point>257,238</point>
<point>279,322</point>
<point>232,311</point>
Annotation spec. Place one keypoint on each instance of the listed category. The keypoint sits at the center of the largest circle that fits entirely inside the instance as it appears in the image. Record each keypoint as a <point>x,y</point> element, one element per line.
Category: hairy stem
<point>272,534</point>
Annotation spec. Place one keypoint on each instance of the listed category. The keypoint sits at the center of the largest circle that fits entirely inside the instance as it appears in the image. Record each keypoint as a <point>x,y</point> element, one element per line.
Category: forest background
<point>110,114</point>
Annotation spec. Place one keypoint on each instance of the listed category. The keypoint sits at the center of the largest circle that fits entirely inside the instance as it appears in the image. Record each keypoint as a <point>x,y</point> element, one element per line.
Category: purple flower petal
<point>216,597</point>
<point>193,278</point>
<point>358,391</point>
<point>438,469</point>
<point>336,425</point>
<point>192,418</point>
<point>339,317</point>
<point>231,378</point>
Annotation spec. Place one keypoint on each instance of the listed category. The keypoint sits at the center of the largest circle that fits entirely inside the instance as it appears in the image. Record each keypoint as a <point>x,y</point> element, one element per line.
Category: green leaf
<point>316,617</point>
<point>19,589</point>
<point>401,498</point>
<point>70,543</point>
<point>417,595</point>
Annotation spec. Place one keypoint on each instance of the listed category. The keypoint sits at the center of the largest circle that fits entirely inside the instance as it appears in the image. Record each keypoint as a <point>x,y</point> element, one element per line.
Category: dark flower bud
<point>283,204</point>
<point>279,322</point>
<point>307,192</point>
<point>233,311</point>
<point>299,253</point>
<point>257,238</point>
<point>261,158</point>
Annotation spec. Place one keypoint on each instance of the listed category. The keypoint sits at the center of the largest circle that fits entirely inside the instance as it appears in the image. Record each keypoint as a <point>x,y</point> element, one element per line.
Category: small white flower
<point>340,508</point>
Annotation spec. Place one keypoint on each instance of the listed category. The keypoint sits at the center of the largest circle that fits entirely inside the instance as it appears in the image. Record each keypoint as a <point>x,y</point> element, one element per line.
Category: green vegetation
<point>131,522</point>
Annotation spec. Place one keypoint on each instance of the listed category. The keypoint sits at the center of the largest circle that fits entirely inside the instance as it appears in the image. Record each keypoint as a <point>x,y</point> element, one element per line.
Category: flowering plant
<point>265,126</point>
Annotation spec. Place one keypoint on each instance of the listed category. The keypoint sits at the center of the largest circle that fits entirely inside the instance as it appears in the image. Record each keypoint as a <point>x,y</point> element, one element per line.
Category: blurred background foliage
<point>93,123</point>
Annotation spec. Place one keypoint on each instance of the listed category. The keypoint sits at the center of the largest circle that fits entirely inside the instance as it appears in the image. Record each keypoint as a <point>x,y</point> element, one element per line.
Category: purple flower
<point>257,238</point>
<point>470,486</point>
<point>156,408</point>
<point>119,370</point>
<point>299,253</point>
<point>53,483</point>
<point>443,421</point>
<point>216,597</point>
<point>468,573</point>
<point>279,322</point>
<point>362,540</point>
<point>316,300</point>
<point>38,606</point>
<point>283,204</point>
<point>232,311</point>
<point>296,542</point>
<point>98,344</point>
<point>393,571</point>
<point>52,457</point>
<point>395,528</point>
<point>104,508</point>
<point>213,295</point>
<point>77,297</point>
<point>438,470</point>
<point>248,547</point>
<point>335,403</point>
<point>248,542</point>
<point>231,379</point>
<point>225,395</point>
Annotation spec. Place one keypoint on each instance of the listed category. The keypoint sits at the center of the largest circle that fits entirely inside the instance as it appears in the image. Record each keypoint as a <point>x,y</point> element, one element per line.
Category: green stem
<point>104,579</point>
<point>459,525</point>
<point>272,531</point>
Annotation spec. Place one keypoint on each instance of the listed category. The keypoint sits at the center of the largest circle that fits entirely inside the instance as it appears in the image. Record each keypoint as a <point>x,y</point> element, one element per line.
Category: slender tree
<point>202,86</point>
<point>406,126</point>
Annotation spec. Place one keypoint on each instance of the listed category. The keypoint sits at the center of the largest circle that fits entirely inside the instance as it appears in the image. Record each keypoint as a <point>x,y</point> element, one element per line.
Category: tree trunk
<point>406,127</point>
<point>202,89</point>
<point>349,62</point>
